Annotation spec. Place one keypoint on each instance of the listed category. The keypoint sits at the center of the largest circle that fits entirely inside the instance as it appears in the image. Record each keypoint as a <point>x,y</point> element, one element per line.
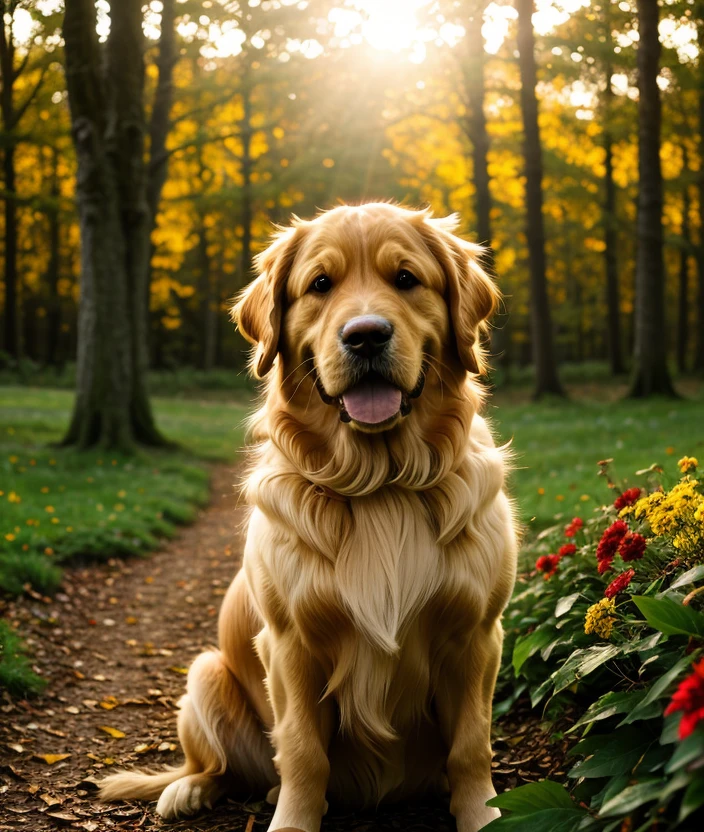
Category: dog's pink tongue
<point>372,402</point>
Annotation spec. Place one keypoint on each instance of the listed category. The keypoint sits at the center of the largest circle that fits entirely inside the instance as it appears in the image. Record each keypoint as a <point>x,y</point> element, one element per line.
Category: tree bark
<point>699,348</point>
<point>11,341</point>
<point>613,306</point>
<point>53,323</point>
<point>246,133</point>
<point>546,375</point>
<point>476,130</point>
<point>650,371</point>
<point>685,251</point>
<point>107,116</point>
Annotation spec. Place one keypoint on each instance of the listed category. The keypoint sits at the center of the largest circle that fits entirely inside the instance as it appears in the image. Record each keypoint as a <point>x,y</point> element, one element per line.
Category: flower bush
<point>608,620</point>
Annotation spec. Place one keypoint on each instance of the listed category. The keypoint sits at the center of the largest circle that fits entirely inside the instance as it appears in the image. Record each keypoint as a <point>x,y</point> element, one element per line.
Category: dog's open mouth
<point>373,401</point>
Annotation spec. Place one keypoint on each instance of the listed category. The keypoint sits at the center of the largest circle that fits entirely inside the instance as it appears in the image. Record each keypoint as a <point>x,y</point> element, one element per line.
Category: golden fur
<point>360,642</point>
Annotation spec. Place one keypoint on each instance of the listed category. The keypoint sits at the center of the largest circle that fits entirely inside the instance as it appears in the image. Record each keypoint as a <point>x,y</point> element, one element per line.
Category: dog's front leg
<point>464,709</point>
<point>302,729</point>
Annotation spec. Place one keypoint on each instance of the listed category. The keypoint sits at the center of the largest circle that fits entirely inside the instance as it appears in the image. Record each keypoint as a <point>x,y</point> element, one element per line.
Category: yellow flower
<point>52,462</point>
<point>32,461</point>
<point>49,509</point>
<point>599,618</point>
<point>14,459</point>
<point>55,520</point>
<point>9,536</point>
<point>44,489</point>
<point>69,528</point>
<point>122,494</point>
<point>14,498</point>
<point>90,479</point>
<point>119,506</point>
<point>688,463</point>
<point>541,491</point>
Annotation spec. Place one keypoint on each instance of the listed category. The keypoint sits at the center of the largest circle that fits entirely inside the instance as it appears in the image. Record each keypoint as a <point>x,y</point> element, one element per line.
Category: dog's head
<point>364,303</point>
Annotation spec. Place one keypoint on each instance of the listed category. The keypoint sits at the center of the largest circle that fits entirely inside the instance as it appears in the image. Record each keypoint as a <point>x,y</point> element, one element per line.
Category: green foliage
<point>617,652</point>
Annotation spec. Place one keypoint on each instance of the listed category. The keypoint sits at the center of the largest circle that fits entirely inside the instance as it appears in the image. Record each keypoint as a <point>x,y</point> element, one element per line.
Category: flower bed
<point>609,620</point>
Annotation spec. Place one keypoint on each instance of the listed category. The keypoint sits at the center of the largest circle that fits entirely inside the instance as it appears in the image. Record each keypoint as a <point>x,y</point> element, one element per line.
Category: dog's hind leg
<point>223,741</point>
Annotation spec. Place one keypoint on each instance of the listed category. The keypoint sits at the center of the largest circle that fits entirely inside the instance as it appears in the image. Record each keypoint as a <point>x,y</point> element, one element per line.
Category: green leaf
<point>693,798</point>
<point>615,785</point>
<point>632,797</point>
<point>527,799</point>
<point>657,690</point>
<point>612,754</point>
<point>564,605</point>
<point>540,692</point>
<point>670,618</point>
<point>613,703</point>
<point>554,820</point>
<point>688,577</point>
<point>689,750</point>
<point>583,662</point>
<point>526,646</point>
<point>670,729</point>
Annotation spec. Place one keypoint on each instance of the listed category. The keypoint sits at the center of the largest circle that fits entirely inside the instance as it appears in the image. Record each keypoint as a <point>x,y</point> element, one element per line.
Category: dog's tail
<point>139,785</point>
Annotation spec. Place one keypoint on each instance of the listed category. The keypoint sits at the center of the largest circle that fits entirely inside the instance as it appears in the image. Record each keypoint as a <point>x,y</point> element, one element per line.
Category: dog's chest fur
<point>381,589</point>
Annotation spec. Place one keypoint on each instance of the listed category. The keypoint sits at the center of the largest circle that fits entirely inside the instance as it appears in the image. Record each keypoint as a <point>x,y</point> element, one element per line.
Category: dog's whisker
<point>310,372</point>
<point>305,361</point>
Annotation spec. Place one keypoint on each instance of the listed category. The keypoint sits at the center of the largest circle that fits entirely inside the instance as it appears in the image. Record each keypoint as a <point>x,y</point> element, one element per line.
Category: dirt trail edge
<point>115,644</point>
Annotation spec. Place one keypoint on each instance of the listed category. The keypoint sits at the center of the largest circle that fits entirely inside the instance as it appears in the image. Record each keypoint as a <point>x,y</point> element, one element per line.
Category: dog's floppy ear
<point>258,309</point>
<point>472,296</point>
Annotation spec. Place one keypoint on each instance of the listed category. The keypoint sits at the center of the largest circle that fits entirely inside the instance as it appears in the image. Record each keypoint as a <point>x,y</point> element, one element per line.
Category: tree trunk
<point>650,372</point>
<point>11,340</point>
<point>107,115</point>
<point>699,349</point>
<point>475,86</point>
<point>685,250</point>
<point>546,375</point>
<point>246,133</point>
<point>53,323</point>
<point>613,305</point>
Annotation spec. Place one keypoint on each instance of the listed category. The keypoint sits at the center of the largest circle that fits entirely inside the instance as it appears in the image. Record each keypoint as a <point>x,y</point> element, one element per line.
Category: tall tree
<point>650,371</point>
<point>613,306</point>
<point>106,97</point>
<point>546,375</point>
<point>14,64</point>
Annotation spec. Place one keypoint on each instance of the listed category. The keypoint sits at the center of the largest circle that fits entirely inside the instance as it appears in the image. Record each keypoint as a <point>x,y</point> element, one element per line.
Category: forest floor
<point>114,644</point>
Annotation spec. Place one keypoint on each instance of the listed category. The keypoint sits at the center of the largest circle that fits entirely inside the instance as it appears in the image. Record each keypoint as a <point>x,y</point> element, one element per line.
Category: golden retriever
<point>360,642</point>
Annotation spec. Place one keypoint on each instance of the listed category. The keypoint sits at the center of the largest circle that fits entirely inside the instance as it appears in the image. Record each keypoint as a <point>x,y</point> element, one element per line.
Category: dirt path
<point>114,644</point>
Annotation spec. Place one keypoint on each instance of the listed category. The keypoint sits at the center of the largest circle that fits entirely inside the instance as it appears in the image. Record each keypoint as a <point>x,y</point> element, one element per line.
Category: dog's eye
<point>405,280</point>
<point>322,284</point>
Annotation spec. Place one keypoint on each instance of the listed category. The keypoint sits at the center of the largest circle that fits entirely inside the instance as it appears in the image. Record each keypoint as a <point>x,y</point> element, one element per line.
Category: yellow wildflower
<point>44,489</point>
<point>14,459</point>
<point>9,537</point>
<point>600,619</point>
<point>49,509</point>
<point>688,463</point>
<point>122,494</point>
<point>14,498</point>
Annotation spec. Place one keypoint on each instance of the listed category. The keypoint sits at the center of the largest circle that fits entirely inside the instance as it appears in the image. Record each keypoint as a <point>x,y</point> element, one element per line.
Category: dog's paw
<point>186,796</point>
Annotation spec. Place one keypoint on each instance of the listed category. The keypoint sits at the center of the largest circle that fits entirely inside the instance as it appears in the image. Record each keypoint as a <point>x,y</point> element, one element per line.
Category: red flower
<point>573,527</point>
<point>547,564</point>
<point>689,698</point>
<point>611,539</point>
<point>619,583</point>
<point>567,549</point>
<point>629,496</point>
<point>632,546</point>
<point>604,564</point>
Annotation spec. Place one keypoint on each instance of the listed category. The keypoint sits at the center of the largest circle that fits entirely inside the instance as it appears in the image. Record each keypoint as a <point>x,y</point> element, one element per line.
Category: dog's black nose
<point>367,335</point>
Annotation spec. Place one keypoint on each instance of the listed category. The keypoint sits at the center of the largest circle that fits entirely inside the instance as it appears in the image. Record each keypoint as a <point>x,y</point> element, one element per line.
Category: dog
<point>360,642</point>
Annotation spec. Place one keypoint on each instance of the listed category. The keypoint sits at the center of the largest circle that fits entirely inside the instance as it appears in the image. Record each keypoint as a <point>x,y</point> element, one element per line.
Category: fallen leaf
<point>113,732</point>
<point>176,669</point>
<point>52,758</point>
<point>72,709</point>
<point>109,703</point>
<point>109,761</point>
<point>50,800</point>
<point>67,816</point>
<point>15,746</point>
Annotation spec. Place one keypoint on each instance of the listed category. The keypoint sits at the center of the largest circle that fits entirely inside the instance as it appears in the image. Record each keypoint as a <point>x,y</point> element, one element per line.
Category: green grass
<point>557,446</point>
<point>58,506</point>
<point>15,670</point>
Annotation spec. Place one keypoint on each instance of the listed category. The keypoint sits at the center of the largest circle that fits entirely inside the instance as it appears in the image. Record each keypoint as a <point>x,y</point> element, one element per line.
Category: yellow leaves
<point>115,733</point>
<point>51,759</point>
<point>177,669</point>
<point>109,703</point>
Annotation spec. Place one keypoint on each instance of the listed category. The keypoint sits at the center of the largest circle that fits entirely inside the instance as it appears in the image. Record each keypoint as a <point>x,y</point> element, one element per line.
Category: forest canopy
<point>258,110</point>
